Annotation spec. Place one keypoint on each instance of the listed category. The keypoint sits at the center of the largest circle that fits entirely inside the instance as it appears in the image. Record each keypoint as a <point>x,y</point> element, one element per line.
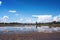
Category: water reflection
<point>27,29</point>
<point>18,29</point>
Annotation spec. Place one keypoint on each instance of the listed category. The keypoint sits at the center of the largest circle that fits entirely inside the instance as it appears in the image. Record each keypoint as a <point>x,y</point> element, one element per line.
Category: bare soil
<point>31,36</point>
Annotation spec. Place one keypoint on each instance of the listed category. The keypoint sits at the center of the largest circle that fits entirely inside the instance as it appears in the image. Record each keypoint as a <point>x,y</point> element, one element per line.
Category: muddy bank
<point>31,36</point>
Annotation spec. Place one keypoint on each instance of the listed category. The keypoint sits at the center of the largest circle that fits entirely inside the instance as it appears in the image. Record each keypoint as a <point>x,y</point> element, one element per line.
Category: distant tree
<point>54,22</point>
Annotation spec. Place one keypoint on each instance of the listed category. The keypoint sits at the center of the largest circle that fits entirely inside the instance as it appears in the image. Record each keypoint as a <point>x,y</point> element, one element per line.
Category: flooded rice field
<point>27,29</point>
<point>29,33</point>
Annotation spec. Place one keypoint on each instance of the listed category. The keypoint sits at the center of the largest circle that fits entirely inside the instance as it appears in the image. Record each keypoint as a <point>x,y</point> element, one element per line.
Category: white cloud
<point>43,18</point>
<point>0,3</point>
<point>16,14</point>
<point>33,19</point>
<point>27,20</point>
<point>39,18</point>
<point>30,20</point>
<point>47,18</point>
<point>4,19</point>
<point>56,18</point>
<point>12,11</point>
<point>21,19</point>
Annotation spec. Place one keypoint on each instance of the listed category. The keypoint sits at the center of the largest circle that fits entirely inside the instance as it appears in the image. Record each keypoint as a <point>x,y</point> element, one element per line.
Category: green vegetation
<point>50,24</point>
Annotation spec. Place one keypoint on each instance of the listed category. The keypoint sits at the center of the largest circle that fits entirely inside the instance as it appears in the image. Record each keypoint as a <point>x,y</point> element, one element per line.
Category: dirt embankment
<point>31,36</point>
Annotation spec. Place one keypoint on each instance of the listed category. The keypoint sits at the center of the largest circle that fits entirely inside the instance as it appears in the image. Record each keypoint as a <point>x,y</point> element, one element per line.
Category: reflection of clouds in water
<point>18,28</point>
<point>44,29</point>
<point>47,29</point>
<point>57,29</point>
<point>26,29</point>
<point>2,28</point>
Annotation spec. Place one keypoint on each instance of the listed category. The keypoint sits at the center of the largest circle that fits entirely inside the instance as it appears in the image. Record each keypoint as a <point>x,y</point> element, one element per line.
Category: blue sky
<point>22,10</point>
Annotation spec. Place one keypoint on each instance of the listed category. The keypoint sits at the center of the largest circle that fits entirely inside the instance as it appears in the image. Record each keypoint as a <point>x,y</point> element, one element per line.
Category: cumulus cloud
<point>31,20</point>
<point>40,18</point>
<point>12,11</point>
<point>4,19</point>
<point>34,18</point>
<point>47,18</point>
<point>0,3</point>
<point>43,18</point>
<point>27,20</point>
<point>56,18</point>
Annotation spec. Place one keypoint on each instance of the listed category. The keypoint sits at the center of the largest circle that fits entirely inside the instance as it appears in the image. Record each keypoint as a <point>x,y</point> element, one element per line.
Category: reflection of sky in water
<point>18,28</point>
<point>32,28</point>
